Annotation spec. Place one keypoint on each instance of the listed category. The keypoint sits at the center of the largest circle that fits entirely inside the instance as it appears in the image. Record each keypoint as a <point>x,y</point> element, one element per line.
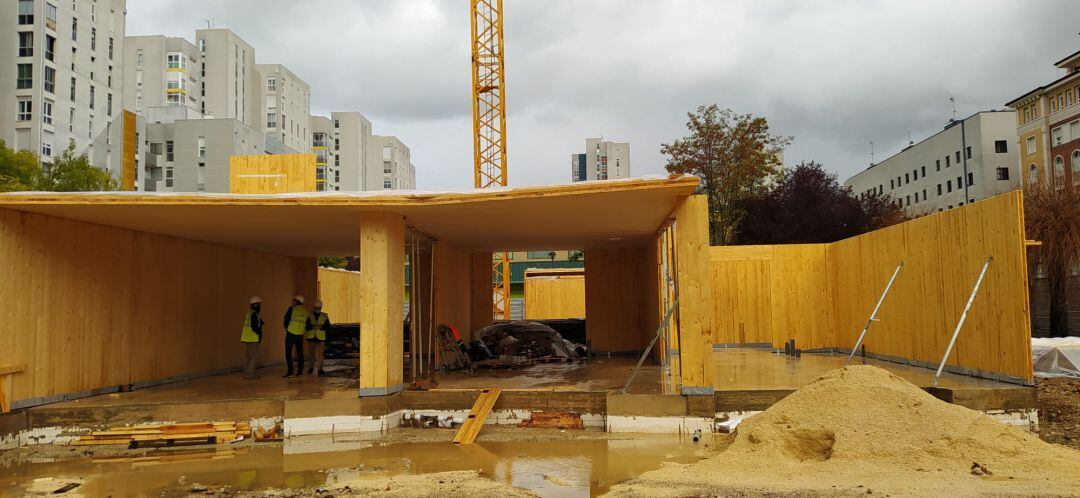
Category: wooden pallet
<point>479,413</point>
<point>168,434</point>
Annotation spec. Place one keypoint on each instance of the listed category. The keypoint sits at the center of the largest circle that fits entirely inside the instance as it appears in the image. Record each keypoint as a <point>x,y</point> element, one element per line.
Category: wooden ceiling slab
<point>572,216</point>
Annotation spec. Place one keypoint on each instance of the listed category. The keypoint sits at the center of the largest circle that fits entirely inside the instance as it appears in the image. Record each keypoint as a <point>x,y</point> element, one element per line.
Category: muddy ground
<point>1059,411</point>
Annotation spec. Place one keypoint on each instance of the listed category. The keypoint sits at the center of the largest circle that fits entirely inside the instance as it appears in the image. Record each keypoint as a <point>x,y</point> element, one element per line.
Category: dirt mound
<point>860,429</point>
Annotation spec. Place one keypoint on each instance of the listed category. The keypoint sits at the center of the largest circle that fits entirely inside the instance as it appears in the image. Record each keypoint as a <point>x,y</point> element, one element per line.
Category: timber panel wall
<point>554,294</point>
<point>339,291</point>
<point>616,286</point>
<point>822,294</point>
<point>88,306</point>
<point>272,173</point>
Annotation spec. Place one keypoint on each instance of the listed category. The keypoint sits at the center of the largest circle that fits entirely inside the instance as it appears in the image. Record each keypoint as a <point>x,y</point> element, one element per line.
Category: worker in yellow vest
<point>251,336</point>
<point>316,338</point>
<point>297,322</point>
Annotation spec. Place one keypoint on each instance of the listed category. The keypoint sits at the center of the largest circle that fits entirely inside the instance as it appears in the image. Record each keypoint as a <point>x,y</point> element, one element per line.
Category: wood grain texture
<point>341,295</point>
<point>481,300</point>
<point>382,270</point>
<point>554,294</point>
<point>822,294</point>
<point>615,298</point>
<point>129,150</point>
<point>272,173</point>
<point>96,306</point>
<point>694,284</point>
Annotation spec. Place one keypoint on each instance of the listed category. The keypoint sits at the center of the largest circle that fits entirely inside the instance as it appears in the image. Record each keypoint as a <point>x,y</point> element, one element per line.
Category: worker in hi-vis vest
<point>297,322</point>
<point>251,336</point>
<point>316,338</point>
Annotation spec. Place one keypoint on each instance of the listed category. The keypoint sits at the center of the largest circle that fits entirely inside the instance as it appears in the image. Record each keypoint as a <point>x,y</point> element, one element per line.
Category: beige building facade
<point>1048,126</point>
<point>286,105</point>
<point>602,160</point>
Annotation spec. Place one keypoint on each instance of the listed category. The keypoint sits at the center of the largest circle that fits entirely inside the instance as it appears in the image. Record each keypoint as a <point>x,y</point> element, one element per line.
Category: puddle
<point>549,468</point>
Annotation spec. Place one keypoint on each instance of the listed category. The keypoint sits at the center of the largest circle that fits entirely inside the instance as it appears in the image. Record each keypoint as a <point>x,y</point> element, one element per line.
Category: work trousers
<point>294,341</point>
<point>315,354</point>
<point>251,352</point>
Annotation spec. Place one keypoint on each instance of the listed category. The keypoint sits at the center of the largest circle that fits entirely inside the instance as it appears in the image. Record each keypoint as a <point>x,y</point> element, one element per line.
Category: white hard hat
<point>318,304</point>
<point>255,300</point>
<point>299,298</point>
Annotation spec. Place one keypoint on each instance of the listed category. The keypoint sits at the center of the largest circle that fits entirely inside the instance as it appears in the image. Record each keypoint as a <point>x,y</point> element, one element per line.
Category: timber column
<point>694,281</point>
<point>382,277</point>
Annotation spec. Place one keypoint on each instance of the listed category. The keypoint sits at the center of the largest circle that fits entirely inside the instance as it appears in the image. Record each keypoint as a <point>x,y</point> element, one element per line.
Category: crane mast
<point>489,125</point>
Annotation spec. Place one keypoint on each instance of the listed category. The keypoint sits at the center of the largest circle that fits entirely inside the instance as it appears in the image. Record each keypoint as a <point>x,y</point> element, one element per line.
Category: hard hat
<point>318,304</point>
<point>299,298</point>
<point>255,300</point>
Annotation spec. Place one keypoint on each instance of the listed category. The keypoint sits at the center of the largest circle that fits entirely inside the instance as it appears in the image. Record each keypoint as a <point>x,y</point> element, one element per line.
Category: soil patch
<point>1059,411</point>
<point>861,430</point>
<point>462,484</point>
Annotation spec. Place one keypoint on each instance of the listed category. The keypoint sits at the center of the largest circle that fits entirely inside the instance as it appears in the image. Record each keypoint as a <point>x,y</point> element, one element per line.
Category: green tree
<point>71,173</point>
<point>19,170</point>
<point>333,262</point>
<point>734,155</point>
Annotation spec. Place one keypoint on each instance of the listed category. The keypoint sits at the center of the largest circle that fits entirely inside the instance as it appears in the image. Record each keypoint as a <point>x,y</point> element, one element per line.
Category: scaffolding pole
<point>873,315</point>
<point>963,316</point>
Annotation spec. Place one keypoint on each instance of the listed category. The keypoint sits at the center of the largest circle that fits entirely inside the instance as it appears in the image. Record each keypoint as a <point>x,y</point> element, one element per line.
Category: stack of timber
<point>138,436</point>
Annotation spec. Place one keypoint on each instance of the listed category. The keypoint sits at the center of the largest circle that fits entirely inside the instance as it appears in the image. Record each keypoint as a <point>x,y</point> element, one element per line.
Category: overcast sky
<point>834,75</point>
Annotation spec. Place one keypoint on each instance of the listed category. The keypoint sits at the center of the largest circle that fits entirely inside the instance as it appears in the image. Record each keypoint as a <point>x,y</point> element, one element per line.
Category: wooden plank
<point>695,292</point>
<point>382,263</point>
<point>554,294</point>
<point>477,415</point>
<point>272,173</point>
<point>339,291</point>
<point>615,299</point>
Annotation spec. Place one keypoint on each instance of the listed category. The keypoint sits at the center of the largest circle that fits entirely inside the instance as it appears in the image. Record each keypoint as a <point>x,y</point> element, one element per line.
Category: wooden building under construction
<point>114,289</point>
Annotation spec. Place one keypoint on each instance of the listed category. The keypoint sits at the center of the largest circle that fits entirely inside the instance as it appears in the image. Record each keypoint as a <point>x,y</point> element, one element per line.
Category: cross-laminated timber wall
<point>822,294</point>
<point>87,306</point>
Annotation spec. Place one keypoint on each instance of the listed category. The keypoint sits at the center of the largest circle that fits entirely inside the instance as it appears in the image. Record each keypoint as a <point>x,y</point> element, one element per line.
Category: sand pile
<point>863,430</point>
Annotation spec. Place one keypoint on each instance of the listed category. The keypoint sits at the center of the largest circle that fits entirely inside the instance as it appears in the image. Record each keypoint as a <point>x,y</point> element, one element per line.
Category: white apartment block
<point>327,175</point>
<point>969,160</point>
<point>286,104</point>
<point>63,68</point>
<point>188,153</point>
<point>231,86</point>
<point>354,160</point>
<point>389,165</point>
<point>602,160</point>
<point>349,141</point>
<point>161,71</point>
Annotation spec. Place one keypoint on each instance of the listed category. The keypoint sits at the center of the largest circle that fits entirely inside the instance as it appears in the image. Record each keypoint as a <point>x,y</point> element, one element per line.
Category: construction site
<point>893,363</point>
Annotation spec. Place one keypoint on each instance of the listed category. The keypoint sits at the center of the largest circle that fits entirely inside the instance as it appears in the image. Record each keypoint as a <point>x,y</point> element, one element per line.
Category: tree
<point>71,173</point>
<point>808,205</point>
<point>19,170</point>
<point>333,262</point>
<point>1052,216</point>
<point>733,155</point>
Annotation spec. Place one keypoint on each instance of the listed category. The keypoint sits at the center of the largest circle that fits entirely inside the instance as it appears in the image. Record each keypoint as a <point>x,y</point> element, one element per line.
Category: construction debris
<point>149,435</point>
<point>554,420</point>
<point>273,434</point>
<point>519,344</point>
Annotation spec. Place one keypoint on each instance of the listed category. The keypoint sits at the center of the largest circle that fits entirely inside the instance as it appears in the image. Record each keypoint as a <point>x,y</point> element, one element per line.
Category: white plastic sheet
<point>1056,356</point>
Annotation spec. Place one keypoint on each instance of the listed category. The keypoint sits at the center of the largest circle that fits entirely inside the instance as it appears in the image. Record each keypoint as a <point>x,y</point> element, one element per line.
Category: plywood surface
<point>553,294</point>
<point>340,293</point>
<point>96,306</point>
<point>529,218</point>
<point>272,174</point>
<point>616,298</point>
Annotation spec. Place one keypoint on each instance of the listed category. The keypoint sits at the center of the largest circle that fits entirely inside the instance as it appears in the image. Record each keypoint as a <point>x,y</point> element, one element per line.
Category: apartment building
<point>349,141</point>
<point>63,79</point>
<point>186,154</point>
<point>230,81</point>
<point>602,160</point>
<point>1048,127</point>
<point>286,103</point>
<point>389,165</point>
<point>327,175</point>
<point>969,160</point>
<point>161,71</point>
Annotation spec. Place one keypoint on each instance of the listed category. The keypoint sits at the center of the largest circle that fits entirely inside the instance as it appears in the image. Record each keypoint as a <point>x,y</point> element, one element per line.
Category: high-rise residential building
<point>602,160</point>
<point>231,86</point>
<point>349,142</point>
<point>322,139</point>
<point>1048,127</point>
<point>969,160</point>
<point>63,67</point>
<point>389,165</point>
<point>192,155</point>
<point>162,71</point>
<point>286,105</point>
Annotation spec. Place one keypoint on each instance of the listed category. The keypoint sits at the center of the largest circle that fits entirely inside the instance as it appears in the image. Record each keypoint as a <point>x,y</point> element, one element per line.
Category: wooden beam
<point>382,272</point>
<point>479,413</point>
<point>694,281</point>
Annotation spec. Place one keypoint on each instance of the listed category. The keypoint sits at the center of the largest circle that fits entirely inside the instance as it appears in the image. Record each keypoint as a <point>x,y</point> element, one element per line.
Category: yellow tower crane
<point>489,124</point>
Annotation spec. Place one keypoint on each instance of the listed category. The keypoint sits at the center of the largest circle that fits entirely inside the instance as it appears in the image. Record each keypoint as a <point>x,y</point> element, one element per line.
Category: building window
<point>959,182</point>
<point>337,144</point>
<point>337,124</point>
<point>173,99</point>
<point>73,89</point>
<point>50,48</point>
<point>91,96</point>
<point>155,148</point>
<point>386,169</point>
<point>1076,165</point>
<point>110,48</point>
<point>46,149</point>
<point>26,44</point>
<point>939,189</point>
<point>947,161</point>
<point>907,178</point>
<point>1058,135</point>
<point>915,174</point>
<point>967,152</point>
<point>923,171</point>
<point>948,186</point>
<point>46,111</point>
<point>271,84</point>
<point>924,194</point>
<point>25,78</point>
<point>108,105</point>
<point>386,183</point>
<point>201,148</point>
<point>1001,146</point>
<point>908,200</point>
<point>74,29</point>
<point>50,80</point>
<point>271,120</point>
<point>957,157</point>
<point>1033,174</point>
<point>169,152</point>
<point>1031,145</point>
<point>50,16</point>
<point>93,39</point>
<point>971,179</point>
<point>337,161</point>
<point>71,120</point>
<point>169,176</point>
<point>891,186</point>
<point>938,165</point>
<point>26,11</point>
<point>1059,169</point>
<point>174,61</point>
<point>1003,173</point>
<point>26,107</point>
